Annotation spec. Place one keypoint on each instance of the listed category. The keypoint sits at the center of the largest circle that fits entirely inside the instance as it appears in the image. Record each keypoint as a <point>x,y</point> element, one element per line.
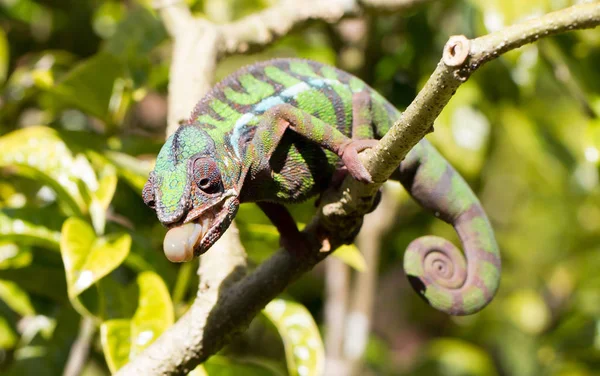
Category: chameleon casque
<point>274,133</point>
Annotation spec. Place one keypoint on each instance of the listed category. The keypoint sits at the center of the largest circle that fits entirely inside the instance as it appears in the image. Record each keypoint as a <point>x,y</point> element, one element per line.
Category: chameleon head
<point>193,192</point>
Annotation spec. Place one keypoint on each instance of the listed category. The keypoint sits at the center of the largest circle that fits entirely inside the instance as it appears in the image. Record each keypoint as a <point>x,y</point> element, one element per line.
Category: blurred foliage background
<point>83,114</point>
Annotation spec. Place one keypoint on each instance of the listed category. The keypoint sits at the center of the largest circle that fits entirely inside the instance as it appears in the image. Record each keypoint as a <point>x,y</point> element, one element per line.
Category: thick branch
<point>203,331</point>
<point>198,332</point>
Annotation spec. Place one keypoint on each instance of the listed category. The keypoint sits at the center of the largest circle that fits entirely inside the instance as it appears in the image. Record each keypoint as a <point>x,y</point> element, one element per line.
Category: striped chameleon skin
<point>274,133</point>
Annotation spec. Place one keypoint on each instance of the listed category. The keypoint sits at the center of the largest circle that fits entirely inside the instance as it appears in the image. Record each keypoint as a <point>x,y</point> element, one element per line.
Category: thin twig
<point>460,59</point>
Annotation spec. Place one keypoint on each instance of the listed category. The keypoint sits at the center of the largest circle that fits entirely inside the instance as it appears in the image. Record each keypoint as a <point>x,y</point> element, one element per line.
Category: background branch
<point>80,350</point>
<point>337,292</point>
<point>209,324</point>
<point>369,241</point>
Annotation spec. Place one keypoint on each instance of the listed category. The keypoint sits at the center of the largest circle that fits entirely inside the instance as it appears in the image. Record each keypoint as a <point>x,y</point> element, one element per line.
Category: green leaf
<point>116,342</point>
<point>89,86</point>
<point>4,56</point>
<point>16,298</point>
<point>23,226</point>
<point>87,258</point>
<point>198,371</point>
<point>102,197</point>
<point>351,256</point>
<point>41,154</point>
<point>116,300</point>
<point>304,350</point>
<point>40,280</point>
<point>135,171</point>
<point>13,256</point>
<point>8,337</point>
<point>135,38</point>
<point>123,339</point>
<point>106,186</point>
<point>225,366</point>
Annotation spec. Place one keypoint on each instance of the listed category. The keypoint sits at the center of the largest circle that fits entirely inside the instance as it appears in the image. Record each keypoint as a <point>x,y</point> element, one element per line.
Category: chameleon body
<point>274,133</point>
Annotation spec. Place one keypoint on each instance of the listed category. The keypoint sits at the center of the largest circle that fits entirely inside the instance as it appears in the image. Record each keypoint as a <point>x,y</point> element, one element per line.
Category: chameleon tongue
<point>180,241</point>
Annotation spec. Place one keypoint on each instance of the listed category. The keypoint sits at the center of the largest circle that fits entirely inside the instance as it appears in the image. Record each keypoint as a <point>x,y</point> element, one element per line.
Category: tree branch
<point>199,44</point>
<point>364,289</point>
<point>337,292</point>
<point>80,350</point>
<point>461,57</point>
<point>209,324</point>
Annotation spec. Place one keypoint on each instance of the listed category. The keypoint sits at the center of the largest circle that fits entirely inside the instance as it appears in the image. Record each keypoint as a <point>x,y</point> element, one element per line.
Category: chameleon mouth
<point>183,242</point>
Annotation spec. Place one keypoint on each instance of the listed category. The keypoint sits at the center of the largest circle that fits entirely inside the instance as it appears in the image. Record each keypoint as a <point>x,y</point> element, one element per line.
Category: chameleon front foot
<point>349,154</point>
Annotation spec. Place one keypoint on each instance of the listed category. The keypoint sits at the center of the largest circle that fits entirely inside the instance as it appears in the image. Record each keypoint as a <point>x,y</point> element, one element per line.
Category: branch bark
<point>208,325</point>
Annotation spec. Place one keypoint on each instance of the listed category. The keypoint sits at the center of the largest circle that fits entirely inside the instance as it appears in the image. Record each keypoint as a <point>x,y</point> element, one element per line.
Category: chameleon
<point>276,132</point>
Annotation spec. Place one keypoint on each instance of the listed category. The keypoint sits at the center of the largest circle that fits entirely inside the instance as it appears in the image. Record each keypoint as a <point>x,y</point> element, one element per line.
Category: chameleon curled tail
<point>434,266</point>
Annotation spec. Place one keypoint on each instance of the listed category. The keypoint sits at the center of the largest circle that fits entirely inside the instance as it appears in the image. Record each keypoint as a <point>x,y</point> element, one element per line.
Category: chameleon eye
<point>207,176</point>
<point>148,193</point>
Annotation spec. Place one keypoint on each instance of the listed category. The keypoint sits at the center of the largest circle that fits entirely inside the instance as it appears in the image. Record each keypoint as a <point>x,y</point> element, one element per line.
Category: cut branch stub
<point>456,51</point>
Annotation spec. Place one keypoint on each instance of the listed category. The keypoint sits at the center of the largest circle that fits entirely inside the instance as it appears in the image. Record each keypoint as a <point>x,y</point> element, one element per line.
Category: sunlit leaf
<point>351,256</point>
<point>198,371</point>
<point>23,225</point>
<point>123,339</point>
<point>116,342</point>
<point>102,197</point>
<point>501,13</point>
<point>88,258</point>
<point>13,256</point>
<point>8,337</point>
<point>133,170</point>
<point>303,345</point>
<point>222,366</point>
<point>40,153</point>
